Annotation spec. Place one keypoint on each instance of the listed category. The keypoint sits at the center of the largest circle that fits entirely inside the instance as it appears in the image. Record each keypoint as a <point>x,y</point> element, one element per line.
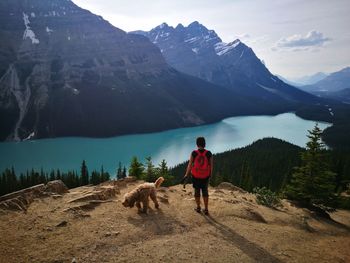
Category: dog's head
<point>128,201</point>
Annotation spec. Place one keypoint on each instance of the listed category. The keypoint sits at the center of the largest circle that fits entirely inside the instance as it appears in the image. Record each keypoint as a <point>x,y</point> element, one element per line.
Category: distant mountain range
<point>67,72</point>
<point>335,86</point>
<point>198,51</point>
<point>312,79</point>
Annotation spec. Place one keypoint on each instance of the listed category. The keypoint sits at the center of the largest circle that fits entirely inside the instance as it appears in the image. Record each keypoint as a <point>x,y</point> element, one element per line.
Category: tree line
<point>10,182</point>
<point>149,172</point>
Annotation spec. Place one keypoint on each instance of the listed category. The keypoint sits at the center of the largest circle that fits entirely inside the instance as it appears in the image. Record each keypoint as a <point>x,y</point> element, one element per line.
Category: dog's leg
<point>145,205</point>
<point>153,196</point>
<point>138,205</point>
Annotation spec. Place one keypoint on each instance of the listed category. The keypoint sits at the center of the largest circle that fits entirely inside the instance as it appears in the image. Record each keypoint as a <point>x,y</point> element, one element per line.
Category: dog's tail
<point>158,182</point>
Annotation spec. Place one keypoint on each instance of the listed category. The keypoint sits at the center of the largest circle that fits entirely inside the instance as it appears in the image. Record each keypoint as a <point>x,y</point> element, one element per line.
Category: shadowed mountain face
<point>200,52</point>
<point>67,72</point>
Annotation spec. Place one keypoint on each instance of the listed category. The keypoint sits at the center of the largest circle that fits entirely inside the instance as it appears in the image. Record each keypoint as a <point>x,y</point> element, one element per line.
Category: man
<point>201,168</point>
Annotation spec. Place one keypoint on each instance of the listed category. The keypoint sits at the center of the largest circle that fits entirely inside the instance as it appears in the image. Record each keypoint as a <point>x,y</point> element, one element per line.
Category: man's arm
<point>189,166</point>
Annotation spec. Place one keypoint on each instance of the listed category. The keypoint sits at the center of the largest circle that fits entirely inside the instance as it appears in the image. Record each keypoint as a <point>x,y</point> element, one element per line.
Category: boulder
<point>56,187</point>
<point>231,187</point>
<point>103,192</point>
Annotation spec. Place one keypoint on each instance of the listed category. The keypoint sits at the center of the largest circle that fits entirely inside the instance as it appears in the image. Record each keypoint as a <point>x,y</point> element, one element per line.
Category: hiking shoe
<point>198,209</point>
<point>206,212</point>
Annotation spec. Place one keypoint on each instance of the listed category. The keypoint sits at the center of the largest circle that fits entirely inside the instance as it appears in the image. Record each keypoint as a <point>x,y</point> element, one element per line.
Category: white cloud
<point>242,36</point>
<point>302,43</point>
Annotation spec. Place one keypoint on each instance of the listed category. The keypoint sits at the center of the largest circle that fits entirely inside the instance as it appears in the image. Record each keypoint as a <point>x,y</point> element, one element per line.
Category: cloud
<point>242,36</point>
<point>301,43</point>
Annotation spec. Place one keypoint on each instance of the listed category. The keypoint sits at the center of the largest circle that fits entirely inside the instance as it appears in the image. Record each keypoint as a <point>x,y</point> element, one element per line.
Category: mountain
<point>200,52</point>
<point>309,80</point>
<point>341,95</point>
<point>289,82</point>
<point>67,72</point>
<point>336,86</point>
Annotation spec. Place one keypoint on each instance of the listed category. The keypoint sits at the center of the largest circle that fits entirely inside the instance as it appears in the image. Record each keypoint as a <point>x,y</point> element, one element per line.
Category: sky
<point>294,38</point>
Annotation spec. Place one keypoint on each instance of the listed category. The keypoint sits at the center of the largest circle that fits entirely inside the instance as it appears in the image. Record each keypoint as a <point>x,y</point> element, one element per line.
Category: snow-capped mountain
<point>67,72</point>
<point>200,52</point>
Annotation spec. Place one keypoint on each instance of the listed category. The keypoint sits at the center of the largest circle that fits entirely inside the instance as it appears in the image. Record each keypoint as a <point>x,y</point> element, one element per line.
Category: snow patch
<point>241,54</point>
<point>32,14</point>
<point>28,33</point>
<point>191,40</point>
<point>48,30</point>
<point>164,34</point>
<point>76,92</point>
<point>276,92</point>
<point>29,136</point>
<point>273,79</point>
<point>68,38</point>
<point>195,50</point>
<point>330,111</point>
<point>162,25</point>
<point>222,48</point>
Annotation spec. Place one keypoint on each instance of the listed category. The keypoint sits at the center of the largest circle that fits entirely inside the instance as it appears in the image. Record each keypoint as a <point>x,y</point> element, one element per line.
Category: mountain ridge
<point>200,52</point>
<point>335,86</point>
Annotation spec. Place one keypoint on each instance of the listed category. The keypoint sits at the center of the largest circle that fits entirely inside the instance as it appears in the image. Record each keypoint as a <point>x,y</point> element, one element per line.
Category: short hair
<point>200,142</point>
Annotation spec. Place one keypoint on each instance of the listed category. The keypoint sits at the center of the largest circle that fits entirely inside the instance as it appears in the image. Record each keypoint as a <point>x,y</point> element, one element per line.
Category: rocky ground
<point>89,224</point>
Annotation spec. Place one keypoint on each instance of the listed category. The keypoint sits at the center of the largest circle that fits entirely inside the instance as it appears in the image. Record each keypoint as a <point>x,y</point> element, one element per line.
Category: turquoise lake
<point>174,146</point>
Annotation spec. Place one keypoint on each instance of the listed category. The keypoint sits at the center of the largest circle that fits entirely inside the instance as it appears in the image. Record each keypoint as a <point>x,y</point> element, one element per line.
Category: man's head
<point>200,142</point>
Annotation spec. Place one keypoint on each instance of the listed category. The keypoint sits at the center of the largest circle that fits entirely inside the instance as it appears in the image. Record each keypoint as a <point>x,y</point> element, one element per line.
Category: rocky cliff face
<point>67,72</point>
<point>200,52</point>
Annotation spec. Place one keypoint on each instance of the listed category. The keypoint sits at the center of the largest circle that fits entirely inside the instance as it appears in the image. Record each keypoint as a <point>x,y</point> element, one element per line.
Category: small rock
<point>56,196</point>
<point>163,199</point>
<point>113,233</point>
<point>63,223</point>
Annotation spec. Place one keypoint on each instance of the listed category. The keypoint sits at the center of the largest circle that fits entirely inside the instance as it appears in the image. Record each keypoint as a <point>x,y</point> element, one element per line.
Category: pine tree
<point>150,173</point>
<point>58,175</point>
<point>124,172</point>
<point>95,178</point>
<point>2,184</point>
<point>163,171</point>
<point>313,183</point>
<point>84,174</point>
<point>42,178</point>
<point>119,171</point>
<point>136,168</point>
<point>52,175</point>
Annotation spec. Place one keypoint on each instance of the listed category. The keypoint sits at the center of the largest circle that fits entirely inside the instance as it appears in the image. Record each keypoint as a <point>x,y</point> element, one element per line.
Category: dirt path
<point>238,230</point>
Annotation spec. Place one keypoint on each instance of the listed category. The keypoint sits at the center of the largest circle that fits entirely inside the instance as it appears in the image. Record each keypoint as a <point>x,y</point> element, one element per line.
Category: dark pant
<point>200,184</point>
